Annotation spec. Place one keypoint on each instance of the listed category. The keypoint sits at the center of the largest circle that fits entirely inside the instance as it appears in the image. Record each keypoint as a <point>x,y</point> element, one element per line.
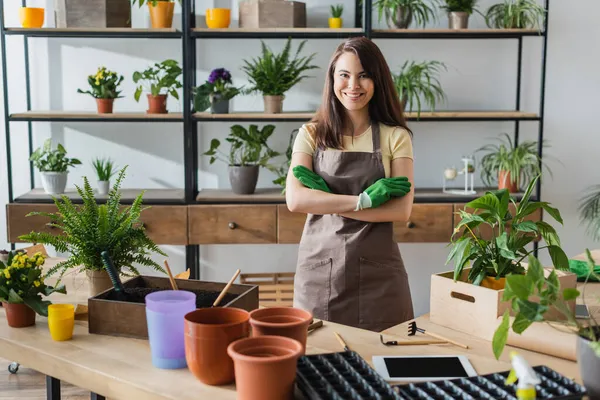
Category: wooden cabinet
<point>428,223</point>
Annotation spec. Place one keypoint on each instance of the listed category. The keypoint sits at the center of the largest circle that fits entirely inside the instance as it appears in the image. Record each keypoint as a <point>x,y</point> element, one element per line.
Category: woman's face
<point>351,84</point>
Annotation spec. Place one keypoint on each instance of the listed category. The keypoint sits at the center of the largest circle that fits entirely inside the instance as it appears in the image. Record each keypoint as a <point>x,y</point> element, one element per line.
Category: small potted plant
<point>274,74</point>
<point>161,11</point>
<point>419,80</point>
<point>161,80</point>
<point>399,14</point>
<point>515,14</point>
<point>53,165</point>
<point>86,231</point>
<point>335,21</point>
<point>22,286</point>
<point>249,151</point>
<point>104,170</point>
<point>458,12</point>
<point>215,92</point>
<point>104,89</point>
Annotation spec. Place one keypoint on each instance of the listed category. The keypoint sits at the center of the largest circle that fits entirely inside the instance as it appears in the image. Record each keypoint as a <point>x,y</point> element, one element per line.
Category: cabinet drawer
<point>231,224</point>
<point>289,225</point>
<point>428,223</point>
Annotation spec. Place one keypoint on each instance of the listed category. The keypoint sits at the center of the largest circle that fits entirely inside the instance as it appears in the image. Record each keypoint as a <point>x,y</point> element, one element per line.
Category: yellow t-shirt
<point>395,143</point>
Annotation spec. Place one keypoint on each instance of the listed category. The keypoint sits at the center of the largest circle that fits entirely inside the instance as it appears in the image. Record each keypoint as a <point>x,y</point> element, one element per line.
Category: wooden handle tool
<point>173,283</point>
<point>339,338</point>
<point>226,288</point>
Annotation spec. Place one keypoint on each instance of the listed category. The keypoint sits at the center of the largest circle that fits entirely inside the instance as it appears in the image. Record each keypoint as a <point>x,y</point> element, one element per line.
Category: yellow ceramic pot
<point>335,23</point>
<point>218,17</point>
<point>161,15</point>
<point>493,283</point>
<point>31,17</point>
<point>61,321</point>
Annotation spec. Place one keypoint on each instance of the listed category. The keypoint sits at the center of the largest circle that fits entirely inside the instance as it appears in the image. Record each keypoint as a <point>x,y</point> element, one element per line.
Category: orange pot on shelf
<point>105,106</point>
<point>157,104</point>
<point>218,17</point>
<point>161,15</point>
<point>31,17</point>
<point>504,182</point>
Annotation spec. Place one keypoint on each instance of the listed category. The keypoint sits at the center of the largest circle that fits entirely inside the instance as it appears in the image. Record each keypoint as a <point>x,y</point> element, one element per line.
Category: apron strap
<point>376,136</point>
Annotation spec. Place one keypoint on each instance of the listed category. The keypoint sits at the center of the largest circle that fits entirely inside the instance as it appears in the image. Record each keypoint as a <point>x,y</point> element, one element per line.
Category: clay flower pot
<point>265,367</point>
<point>504,182</point>
<point>281,321</point>
<point>105,106</point>
<point>98,281</point>
<point>208,332</point>
<point>157,104</point>
<point>19,315</point>
<point>161,15</point>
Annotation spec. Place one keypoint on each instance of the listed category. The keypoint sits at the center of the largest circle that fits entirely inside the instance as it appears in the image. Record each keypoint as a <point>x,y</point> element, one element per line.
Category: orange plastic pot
<point>161,15</point>
<point>281,321</point>
<point>265,367</point>
<point>504,182</point>
<point>19,315</point>
<point>218,17</point>
<point>105,106</point>
<point>157,104</point>
<point>493,283</point>
<point>31,17</point>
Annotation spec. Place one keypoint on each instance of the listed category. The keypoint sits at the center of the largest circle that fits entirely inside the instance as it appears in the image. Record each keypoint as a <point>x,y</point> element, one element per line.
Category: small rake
<point>413,328</point>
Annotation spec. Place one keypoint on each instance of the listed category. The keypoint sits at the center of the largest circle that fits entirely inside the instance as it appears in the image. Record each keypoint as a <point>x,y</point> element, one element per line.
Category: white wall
<point>482,75</point>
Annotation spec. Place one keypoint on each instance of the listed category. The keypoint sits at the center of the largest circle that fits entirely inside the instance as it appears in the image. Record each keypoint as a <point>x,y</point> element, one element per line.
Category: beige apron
<point>351,272</point>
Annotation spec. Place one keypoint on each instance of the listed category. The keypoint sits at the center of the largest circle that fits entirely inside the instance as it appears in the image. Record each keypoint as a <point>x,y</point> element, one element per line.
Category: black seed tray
<point>554,386</point>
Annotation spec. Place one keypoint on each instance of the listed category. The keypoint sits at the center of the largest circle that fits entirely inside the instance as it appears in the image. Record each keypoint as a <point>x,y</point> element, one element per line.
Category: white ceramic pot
<point>54,182</point>
<point>103,187</point>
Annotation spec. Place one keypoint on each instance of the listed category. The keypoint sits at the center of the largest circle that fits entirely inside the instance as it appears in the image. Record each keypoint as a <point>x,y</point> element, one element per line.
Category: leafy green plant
<point>274,74</point>
<point>532,295</point>
<point>522,161</point>
<point>104,168</point>
<point>336,11</point>
<point>104,84</point>
<point>468,6</point>
<point>417,80</point>
<point>47,159</point>
<point>502,254</point>
<point>419,9</point>
<point>22,281</point>
<point>248,147</point>
<point>515,14</point>
<point>161,78</point>
<point>589,211</point>
<point>153,2</point>
<point>282,170</point>
<point>88,229</point>
<point>217,85</point>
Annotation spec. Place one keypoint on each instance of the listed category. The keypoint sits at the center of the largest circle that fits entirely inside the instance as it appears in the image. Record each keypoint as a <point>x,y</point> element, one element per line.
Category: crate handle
<point>461,296</point>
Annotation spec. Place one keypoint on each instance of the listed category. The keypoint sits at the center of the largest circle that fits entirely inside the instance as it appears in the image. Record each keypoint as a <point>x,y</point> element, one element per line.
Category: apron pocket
<point>312,287</point>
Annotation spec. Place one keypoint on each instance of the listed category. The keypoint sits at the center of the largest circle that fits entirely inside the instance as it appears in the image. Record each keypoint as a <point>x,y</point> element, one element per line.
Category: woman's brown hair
<point>384,107</point>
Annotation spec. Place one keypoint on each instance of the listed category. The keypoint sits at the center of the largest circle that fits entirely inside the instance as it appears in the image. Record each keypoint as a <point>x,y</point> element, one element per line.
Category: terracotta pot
<point>281,321</point>
<point>19,315</point>
<point>208,332</point>
<point>265,367</point>
<point>98,281</point>
<point>105,106</point>
<point>157,104</point>
<point>493,283</point>
<point>161,15</point>
<point>273,104</point>
<point>504,182</point>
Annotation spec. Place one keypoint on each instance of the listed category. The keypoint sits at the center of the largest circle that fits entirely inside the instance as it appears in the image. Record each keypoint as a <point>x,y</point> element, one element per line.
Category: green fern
<point>589,211</point>
<point>91,228</point>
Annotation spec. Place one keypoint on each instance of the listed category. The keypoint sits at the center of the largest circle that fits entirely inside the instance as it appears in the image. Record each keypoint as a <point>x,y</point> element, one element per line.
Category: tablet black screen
<point>431,367</point>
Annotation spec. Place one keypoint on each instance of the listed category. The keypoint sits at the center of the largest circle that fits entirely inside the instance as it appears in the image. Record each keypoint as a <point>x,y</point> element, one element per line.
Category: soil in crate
<point>204,298</point>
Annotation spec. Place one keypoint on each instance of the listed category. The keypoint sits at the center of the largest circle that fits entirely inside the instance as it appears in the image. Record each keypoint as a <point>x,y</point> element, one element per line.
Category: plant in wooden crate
<point>515,14</point>
<point>22,287</point>
<point>458,12</point>
<point>419,80</point>
<point>282,170</point>
<point>248,152</point>
<point>335,21</point>
<point>105,169</point>
<point>399,14</point>
<point>53,165</point>
<point>88,229</point>
<point>159,80</point>
<point>161,11</point>
<point>274,74</point>
<point>104,85</point>
<point>215,92</point>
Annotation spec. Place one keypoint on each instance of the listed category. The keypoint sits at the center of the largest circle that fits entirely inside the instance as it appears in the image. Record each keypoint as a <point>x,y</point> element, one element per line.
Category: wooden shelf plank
<point>59,115</point>
<point>97,32</point>
<point>484,115</point>
<point>455,33</point>
<point>278,30</point>
<point>254,116</point>
<point>151,196</point>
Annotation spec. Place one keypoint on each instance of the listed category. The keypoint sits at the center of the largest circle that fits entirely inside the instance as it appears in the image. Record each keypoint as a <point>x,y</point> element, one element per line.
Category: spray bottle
<point>527,377</point>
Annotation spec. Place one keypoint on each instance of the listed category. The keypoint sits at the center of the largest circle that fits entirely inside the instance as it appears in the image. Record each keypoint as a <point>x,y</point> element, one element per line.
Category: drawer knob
<point>232,225</point>
<point>410,224</point>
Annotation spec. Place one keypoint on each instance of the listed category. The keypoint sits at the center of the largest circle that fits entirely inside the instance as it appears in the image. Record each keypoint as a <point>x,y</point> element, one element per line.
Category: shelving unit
<point>190,196</point>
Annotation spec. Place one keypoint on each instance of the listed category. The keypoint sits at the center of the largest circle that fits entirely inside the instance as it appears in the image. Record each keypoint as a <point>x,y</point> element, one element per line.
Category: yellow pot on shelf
<point>218,17</point>
<point>161,15</point>
<point>335,23</point>
<point>31,17</point>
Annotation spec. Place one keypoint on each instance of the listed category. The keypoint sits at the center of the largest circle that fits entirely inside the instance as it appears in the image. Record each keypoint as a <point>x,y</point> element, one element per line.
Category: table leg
<point>94,396</point>
<point>52,388</point>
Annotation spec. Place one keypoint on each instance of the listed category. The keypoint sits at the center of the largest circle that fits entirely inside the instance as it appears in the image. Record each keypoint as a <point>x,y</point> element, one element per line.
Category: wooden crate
<point>92,14</point>
<point>118,318</point>
<point>274,289</point>
<point>475,309</point>
<point>272,14</point>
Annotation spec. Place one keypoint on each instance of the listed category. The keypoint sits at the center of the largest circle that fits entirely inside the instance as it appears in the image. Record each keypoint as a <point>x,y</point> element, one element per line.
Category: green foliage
<point>248,147</point>
<point>502,254</point>
<point>104,168</point>
<point>515,14</point>
<point>47,159</point>
<point>421,11</point>
<point>22,281</point>
<point>282,170</point>
<point>531,295</point>
<point>89,229</point>
<point>467,6</point>
<point>153,2</point>
<point>589,211</point>
<point>274,74</point>
<point>336,11</point>
<point>161,78</point>
<point>104,84</point>
<point>419,79</point>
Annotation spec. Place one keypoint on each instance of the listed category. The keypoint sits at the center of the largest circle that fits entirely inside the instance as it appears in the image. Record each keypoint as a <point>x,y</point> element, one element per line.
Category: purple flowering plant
<point>218,87</point>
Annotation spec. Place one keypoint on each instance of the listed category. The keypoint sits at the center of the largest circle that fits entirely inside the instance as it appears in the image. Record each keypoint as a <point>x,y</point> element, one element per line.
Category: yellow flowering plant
<point>22,281</point>
<point>104,84</point>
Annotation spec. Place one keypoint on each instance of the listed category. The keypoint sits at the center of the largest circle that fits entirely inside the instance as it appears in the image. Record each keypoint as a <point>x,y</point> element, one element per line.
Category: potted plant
<point>89,229</point>
<point>104,89</point>
<point>274,74</point>
<point>515,14</point>
<point>104,171</point>
<point>249,151</point>
<point>417,80</point>
<point>511,165</point>
<point>161,80</point>
<point>22,286</point>
<point>532,296</point>
<point>336,16</point>
<point>53,164</point>
<point>282,170</point>
<point>215,92</point>
<point>458,12</point>
<point>399,14</point>
<point>161,11</point>
<point>589,211</point>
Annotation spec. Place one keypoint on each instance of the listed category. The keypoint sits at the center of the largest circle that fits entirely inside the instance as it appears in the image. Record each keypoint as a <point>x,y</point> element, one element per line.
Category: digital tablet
<point>422,368</point>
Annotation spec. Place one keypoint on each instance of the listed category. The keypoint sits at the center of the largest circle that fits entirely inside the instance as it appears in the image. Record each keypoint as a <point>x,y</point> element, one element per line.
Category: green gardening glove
<point>309,179</point>
<point>382,191</point>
